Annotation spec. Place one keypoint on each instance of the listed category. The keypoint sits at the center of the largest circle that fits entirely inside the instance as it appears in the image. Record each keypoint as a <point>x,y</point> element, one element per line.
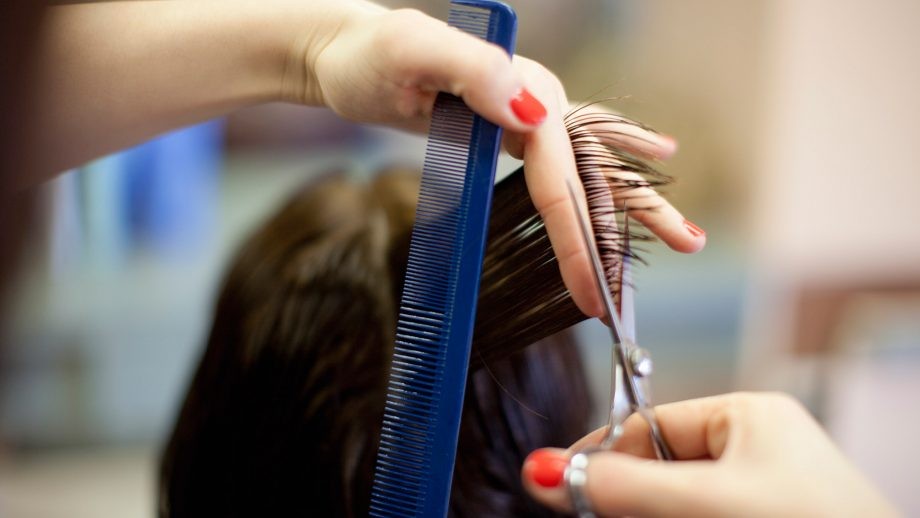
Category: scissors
<point>632,365</point>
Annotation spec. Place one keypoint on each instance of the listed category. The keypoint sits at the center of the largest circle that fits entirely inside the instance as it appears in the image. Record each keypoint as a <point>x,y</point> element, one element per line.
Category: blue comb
<point>421,420</point>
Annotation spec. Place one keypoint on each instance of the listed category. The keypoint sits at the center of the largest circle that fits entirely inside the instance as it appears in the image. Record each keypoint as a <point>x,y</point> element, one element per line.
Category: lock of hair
<point>522,297</point>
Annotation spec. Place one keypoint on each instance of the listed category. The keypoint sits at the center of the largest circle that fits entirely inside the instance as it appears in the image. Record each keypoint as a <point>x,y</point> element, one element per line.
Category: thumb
<point>619,484</point>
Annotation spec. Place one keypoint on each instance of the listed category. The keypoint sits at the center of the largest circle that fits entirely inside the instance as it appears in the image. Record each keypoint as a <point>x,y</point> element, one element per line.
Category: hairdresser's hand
<point>741,455</point>
<point>387,67</point>
<point>111,74</point>
<point>549,160</point>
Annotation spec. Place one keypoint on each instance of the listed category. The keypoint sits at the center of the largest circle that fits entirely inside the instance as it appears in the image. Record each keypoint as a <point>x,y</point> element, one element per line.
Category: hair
<point>522,297</point>
<point>284,411</point>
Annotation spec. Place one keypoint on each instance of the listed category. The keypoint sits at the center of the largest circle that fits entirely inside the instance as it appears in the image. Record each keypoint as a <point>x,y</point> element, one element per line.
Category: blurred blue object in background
<point>170,188</point>
<point>159,197</point>
<point>113,305</point>
<point>105,230</point>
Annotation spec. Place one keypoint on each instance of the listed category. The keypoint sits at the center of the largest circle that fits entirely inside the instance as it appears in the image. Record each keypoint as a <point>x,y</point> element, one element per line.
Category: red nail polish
<point>545,467</point>
<point>695,230</point>
<point>527,107</point>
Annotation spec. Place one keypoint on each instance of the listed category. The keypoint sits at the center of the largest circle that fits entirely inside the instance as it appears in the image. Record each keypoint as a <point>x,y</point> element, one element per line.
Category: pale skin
<point>115,73</point>
<point>743,454</point>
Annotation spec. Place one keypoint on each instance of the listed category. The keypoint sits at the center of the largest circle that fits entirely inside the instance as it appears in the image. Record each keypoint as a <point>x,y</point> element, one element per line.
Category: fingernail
<point>545,467</point>
<point>693,229</point>
<point>670,145</point>
<point>527,108</point>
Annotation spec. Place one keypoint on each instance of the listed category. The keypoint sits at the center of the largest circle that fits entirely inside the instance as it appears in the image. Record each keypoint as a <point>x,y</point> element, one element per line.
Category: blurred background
<point>799,156</point>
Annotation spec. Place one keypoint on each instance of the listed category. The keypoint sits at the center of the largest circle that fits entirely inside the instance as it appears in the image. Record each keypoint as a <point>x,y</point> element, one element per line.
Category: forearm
<point>113,74</point>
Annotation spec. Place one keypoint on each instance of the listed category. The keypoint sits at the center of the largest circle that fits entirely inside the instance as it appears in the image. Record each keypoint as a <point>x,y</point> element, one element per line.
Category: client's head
<point>283,414</point>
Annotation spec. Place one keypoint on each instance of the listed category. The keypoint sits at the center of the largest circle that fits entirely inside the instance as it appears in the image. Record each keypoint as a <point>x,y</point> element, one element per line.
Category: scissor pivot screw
<point>641,362</point>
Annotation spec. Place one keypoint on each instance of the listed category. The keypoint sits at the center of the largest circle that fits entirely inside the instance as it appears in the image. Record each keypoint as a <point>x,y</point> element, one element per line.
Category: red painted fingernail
<point>695,230</point>
<point>671,144</point>
<point>545,467</point>
<point>527,107</point>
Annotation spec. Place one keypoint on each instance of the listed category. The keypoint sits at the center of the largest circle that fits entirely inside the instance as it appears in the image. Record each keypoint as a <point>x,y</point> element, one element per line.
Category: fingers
<point>620,132</point>
<point>406,68</point>
<point>779,463</point>
<point>550,162</point>
<point>596,131</point>
<point>694,429</point>
<point>661,218</point>
<point>618,484</point>
<point>387,67</point>
<point>435,57</point>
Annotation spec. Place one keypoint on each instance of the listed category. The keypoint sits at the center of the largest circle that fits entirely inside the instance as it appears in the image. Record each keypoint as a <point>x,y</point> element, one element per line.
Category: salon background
<point>798,156</point>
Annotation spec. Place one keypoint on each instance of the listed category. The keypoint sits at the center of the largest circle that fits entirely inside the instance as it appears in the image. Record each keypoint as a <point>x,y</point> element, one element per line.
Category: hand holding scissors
<point>775,460</point>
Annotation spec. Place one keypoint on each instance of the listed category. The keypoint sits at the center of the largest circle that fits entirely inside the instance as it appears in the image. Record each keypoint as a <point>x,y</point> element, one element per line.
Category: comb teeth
<point>433,333</point>
<point>406,442</point>
<point>472,20</point>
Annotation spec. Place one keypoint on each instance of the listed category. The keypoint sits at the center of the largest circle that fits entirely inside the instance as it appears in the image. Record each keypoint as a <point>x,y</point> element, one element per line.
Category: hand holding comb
<point>434,333</point>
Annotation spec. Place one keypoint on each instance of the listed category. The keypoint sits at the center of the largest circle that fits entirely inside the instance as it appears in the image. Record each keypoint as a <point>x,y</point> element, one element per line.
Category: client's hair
<point>283,414</point>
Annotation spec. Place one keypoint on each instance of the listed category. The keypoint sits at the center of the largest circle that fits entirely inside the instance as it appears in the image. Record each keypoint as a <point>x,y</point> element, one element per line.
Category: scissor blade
<point>599,277</point>
<point>627,295</point>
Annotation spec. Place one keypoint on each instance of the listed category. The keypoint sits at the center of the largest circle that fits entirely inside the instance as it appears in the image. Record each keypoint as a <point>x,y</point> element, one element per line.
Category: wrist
<point>297,35</point>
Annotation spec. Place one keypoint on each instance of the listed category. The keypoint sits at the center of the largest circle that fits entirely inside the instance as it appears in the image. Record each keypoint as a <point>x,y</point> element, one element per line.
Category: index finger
<point>549,162</point>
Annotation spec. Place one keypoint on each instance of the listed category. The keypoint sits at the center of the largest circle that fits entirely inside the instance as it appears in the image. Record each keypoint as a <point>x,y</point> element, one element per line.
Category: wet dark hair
<point>283,414</point>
